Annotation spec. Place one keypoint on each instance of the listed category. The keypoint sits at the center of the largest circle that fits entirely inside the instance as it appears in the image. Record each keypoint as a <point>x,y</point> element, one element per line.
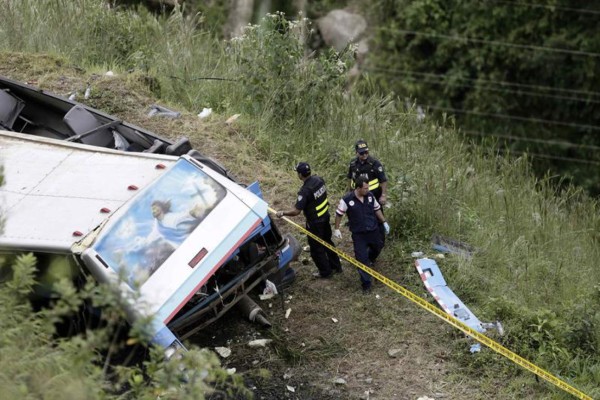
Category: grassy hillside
<point>536,248</point>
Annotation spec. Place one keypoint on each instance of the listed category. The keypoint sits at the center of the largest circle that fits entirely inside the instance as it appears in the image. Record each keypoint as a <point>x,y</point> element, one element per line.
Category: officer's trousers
<point>367,246</point>
<point>325,260</point>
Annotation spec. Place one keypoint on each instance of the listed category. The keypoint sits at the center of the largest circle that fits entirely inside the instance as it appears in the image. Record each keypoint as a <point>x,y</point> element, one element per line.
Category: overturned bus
<point>165,226</point>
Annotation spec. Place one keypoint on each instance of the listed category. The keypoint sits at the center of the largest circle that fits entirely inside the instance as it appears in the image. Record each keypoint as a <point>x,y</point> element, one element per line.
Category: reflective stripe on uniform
<point>324,206</point>
<point>374,184</point>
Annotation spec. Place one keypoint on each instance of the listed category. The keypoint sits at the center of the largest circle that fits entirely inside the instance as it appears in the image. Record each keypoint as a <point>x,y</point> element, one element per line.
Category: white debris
<point>87,93</point>
<point>439,256</point>
<point>287,376</point>
<point>270,287</point>
<point>377,296</point>
<point>335,321</point>
<point>223,351</point>
<point>339,381</point>
<point>205,112</point>
<point>230,371</point>
<point>288,312</point>
<point>72,96</point>
<point>232,119</point>
<point>259,342</point>
<point>291,388</point>
<point>425,398</point>
<point>109,73</point>
<point>266,296</point>
<point>290,297</point>
<point>306,248</point>
<point>394,352</point>
<point>416,254</point>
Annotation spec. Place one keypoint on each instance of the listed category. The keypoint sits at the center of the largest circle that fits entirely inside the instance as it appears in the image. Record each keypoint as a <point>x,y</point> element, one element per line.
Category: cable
<point>551,157</point>
<point>575,10</point>
<point>528,139</point>
<point>488,88</point>
<point>500,83</point>
<point>513,117</point>
<point>495,42</point>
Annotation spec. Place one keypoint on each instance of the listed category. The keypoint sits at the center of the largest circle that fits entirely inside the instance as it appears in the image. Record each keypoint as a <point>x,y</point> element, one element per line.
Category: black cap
<point>302,168</point>
<point>361,146</point>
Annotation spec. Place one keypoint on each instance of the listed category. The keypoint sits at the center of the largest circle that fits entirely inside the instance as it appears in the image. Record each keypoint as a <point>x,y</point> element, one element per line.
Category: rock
<point>259,343</point>
<point>394,352</point>
<point>340,27</point>
<point>223,351</point>
<point>339,381</point>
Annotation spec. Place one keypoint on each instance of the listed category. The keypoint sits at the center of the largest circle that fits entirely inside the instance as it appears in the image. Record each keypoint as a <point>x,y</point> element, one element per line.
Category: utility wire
<point>500,83</point>
<point>441,82</point>
<point>528,139</point>
<point>494,42</point>
<point>552,157</point>
<point>512,117</point>
<point>549,7</point>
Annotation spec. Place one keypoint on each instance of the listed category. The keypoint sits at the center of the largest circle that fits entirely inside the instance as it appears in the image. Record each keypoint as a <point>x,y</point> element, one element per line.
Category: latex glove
<point>386,226</point>
<point>337,234</point>
<point>279,214</point>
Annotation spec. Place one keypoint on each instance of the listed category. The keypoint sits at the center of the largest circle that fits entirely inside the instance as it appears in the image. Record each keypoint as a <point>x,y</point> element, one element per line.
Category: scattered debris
<point>447,245</point>
<point>306,248</point>
<point>205,113</point>
<point>291,388</point>
<point>287,376</point>
<point>434,282</point>
<point>425,398</point>
<point>270,287</point>
<point>232,119</point>
<point>335,321</point>
<point>339,381</point>
<point>72,96</point>
<point>109,73</point>
<point>475,348</point>
<point>266,297</point>
<point>416,254</point>
<point>439,256</point>
<point>223,351</point>
<point>394,352</point>
<point>288,312</point>
<point>88,92</point>
<point>377,296</point>
<point>259,342</point>
<point>160,111</point>
<point>230,371</point>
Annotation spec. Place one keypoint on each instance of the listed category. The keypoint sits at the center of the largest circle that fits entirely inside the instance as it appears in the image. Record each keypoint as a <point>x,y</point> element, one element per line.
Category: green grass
<point>536,265</point>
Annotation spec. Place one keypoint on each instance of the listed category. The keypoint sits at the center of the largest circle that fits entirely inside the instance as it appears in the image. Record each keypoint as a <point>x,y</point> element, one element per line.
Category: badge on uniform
<point>300,198</point>
<point>380,169</point>
<point>351,203</point>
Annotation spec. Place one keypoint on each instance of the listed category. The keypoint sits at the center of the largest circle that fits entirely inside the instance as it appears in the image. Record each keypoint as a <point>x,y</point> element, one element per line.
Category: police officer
<point>370,168</point>
<point>364,216</point>
<point>312,199</point>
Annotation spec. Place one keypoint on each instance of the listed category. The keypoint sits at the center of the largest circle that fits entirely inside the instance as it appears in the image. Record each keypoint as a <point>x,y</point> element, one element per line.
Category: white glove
<point>386,226</point>
<point>279,214</point>
<point>337,234</point>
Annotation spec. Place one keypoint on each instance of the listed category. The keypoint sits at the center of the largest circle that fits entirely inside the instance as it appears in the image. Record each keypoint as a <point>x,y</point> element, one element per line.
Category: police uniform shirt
<point>312,199</point>
<point>372,169</point>
<point>361,214</point>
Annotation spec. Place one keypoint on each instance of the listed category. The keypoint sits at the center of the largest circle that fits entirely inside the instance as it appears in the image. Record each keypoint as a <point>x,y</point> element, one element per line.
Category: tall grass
<point>537,248</point>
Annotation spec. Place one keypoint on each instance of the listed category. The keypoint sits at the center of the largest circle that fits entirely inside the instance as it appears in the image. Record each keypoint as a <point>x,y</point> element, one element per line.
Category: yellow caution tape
<point>481,338</point>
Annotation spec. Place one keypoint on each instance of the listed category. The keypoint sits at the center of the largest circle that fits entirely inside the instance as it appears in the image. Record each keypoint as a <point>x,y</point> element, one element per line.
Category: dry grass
<point>309,346</point>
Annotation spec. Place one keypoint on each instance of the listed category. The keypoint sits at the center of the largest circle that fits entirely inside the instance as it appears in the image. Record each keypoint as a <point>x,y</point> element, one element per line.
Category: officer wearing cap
<point>364,216</point>
<point>370,168</point>
<point>312,200</point>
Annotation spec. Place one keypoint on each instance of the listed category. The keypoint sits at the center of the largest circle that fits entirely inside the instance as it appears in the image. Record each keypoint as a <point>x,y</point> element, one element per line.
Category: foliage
<point>464,58</point>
